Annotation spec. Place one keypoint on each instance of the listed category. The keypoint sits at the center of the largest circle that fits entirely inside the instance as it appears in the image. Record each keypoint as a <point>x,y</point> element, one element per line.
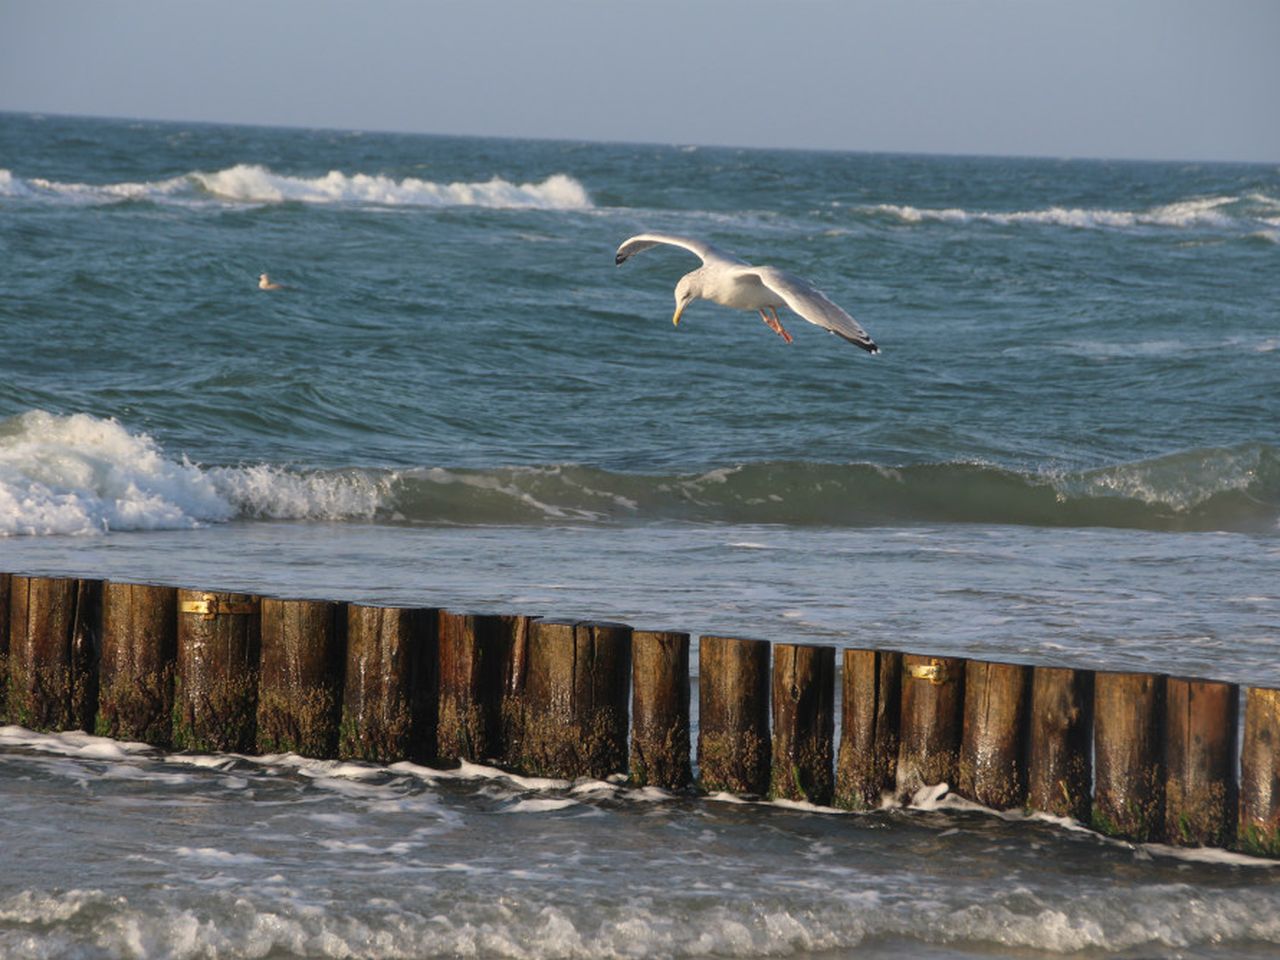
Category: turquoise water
<point>1066,453</point>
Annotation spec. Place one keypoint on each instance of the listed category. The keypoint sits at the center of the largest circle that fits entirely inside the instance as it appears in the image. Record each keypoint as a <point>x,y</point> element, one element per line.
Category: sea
<point>1066,453</point>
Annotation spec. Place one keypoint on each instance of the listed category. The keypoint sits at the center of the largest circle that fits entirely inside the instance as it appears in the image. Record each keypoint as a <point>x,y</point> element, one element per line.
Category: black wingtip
<point>619,260</point>
<point>866,343</point>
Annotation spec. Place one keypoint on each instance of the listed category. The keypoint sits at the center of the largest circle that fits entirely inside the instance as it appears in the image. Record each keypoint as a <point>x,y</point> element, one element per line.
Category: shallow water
<point>279,856</point>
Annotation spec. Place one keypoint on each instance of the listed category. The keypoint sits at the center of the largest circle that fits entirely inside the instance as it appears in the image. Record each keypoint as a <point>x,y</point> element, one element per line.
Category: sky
<point>1148,79</point>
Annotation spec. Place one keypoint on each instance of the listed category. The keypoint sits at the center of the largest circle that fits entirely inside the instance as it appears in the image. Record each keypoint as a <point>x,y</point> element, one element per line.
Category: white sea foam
<point>230,921</point>
<point>72,743</point>
<point>258,184</point>
<point>254,184</point>
<point>540,805</point>
<point>1219,212</point>
<point>476,771</point>
<point>78,474</point>
<point>11,186</point>
<point>216,856</point>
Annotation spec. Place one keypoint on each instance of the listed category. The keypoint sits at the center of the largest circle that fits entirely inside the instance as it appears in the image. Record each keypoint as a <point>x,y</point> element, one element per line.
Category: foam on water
<point>238,893</point>
<point>255,184</point>
<point>72,743</point>
<point>231,922</point>
<point>1215,212</point>
<point>78,474</point>
<point>82,474</point>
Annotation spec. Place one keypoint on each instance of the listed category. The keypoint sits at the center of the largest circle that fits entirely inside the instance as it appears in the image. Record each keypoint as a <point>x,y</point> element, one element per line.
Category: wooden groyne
<point>1139,756</point>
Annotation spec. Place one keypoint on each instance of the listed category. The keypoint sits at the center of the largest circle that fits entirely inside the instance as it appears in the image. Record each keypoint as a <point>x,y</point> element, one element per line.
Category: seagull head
<point>687,290</point>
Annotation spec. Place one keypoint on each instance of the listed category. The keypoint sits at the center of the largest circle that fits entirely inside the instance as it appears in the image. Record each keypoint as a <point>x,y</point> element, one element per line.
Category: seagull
<point>266,283</point>
<point>731,282</point>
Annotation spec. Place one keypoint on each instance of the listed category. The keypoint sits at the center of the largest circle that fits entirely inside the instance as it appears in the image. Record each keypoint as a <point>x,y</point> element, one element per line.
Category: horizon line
<point>37,114</point>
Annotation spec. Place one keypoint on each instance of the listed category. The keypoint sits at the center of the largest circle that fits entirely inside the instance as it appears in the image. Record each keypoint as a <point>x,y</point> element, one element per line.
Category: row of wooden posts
<point>1140,756</point>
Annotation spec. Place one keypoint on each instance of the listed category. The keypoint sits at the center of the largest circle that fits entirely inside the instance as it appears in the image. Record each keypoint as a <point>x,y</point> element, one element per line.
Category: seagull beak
<point>679,310</point>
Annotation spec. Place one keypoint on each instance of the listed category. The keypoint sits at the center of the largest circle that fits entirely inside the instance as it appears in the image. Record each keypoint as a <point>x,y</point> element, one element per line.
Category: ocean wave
<point>79,474</point>
<point>268,921</point>
<point>253,184</point>
<point>1252,213</point>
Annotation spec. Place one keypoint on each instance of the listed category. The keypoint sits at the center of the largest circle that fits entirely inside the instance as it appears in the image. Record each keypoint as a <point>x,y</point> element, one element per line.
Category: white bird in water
<point>266,283</point>
<point>726,280</point>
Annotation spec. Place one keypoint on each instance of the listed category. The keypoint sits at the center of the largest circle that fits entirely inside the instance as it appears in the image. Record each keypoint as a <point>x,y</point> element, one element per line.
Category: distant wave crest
<point>1255,212</point>
<point>83,475</point>
<point>254,184</point>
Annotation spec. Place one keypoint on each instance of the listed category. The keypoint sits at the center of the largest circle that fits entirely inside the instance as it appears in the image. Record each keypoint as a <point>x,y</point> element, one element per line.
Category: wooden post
<point>55,634</point>
<point>871,703</point>
<point>300,682</point>
<point>734,744</point>
<point>1259,830</point>
<point>1202,720</point>
<point>139,648</point>
<point>992,748</point>
<point>1128,748</point>
<point>215,698</point>
<point>389,701</point>
<point>932,722</point>
<point>475,651</point>
<point>660,709</point>
<point>1060,742</point>
<point>5,579</point>
<point>575,721</point>
<point>803,723</point>
<point>515,670</point>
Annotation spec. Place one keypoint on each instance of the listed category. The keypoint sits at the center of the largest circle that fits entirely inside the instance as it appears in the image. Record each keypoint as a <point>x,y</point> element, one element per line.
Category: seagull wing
<point>812,304</point>
<point>705,251</point>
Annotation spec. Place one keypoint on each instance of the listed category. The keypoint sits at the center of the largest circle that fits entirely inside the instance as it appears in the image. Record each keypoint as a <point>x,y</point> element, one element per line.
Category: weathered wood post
<point>1128,748</point>
<point>515,670</point>
<point>389,698</point>
<point>870,706</point>
<point>575,721</point>
<point>734,744</point>
<point>215,698</point>
<point>475,650</point>
<point>932,722</point>
<point>5,579</point>
<point>139,649</point>
<point>1259,829</point>
<point>660,709</point>
<point>1202,721</point>
<point>300,677</point>
<point>803,723</point>
<point>55,634</point>
<point>1060,743</point>
<point>992,767</point>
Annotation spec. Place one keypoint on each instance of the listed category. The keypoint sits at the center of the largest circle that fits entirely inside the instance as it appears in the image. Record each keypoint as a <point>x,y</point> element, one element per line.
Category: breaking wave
<point>253,184</point>
<point>80,474</point>
<point>1254,214</point>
